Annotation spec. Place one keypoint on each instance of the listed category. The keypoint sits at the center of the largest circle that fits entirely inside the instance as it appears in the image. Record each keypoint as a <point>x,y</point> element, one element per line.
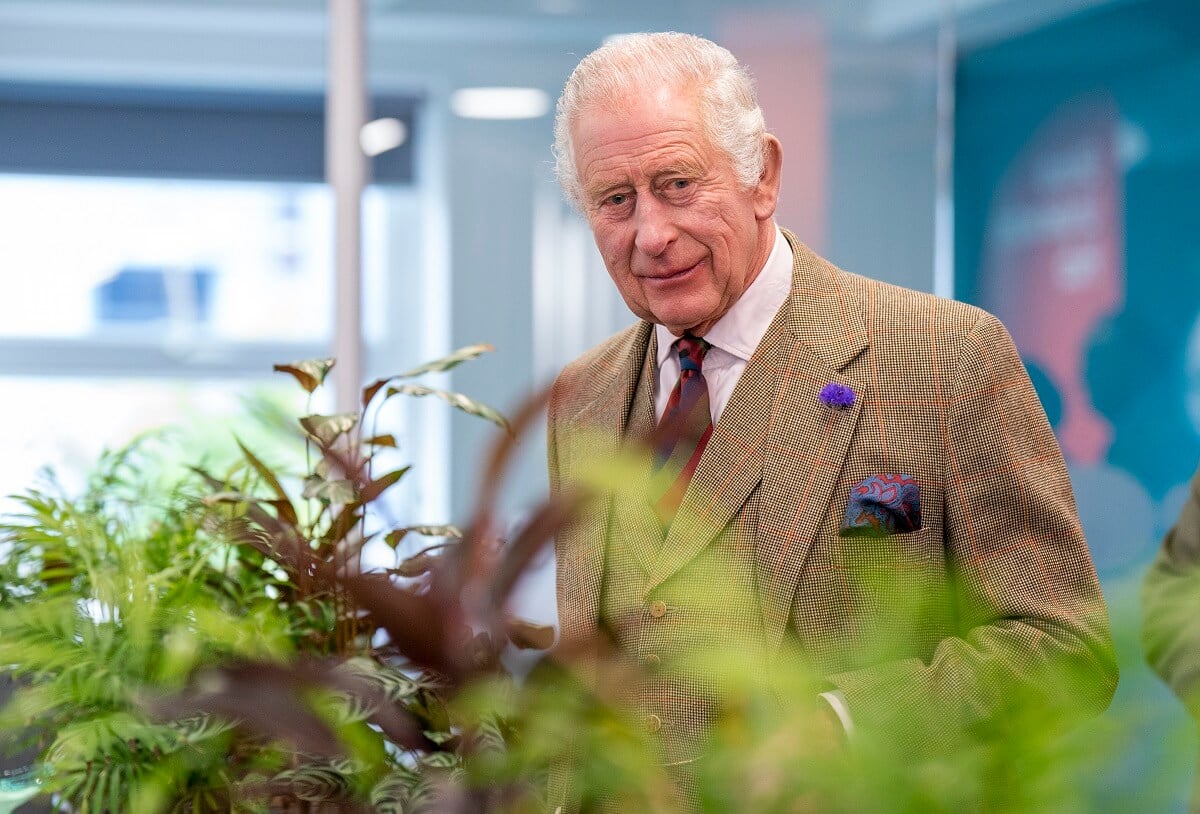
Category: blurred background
<point>166,233</point>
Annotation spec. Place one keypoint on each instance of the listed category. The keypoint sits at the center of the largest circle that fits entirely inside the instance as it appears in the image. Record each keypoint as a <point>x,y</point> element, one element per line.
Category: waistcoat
<point>709,605</point>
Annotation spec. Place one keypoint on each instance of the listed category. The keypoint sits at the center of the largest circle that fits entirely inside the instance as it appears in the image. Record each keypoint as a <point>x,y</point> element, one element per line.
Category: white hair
<point>729,109</point>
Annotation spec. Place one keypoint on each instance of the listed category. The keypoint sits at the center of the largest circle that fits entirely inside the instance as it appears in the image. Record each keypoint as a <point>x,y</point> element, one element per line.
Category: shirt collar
<point>743,326</point>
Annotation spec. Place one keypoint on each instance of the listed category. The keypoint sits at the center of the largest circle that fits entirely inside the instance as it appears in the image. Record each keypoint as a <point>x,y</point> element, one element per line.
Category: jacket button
<point>658,609</point>
<point>652,660</point>
<point>653,723</point>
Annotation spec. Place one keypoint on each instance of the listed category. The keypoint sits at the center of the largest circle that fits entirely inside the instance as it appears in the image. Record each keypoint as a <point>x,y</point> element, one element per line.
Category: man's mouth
<point>673,275</point>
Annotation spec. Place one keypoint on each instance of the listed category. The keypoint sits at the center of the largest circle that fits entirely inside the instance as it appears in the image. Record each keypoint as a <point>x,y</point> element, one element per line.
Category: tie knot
<point>691,351</point>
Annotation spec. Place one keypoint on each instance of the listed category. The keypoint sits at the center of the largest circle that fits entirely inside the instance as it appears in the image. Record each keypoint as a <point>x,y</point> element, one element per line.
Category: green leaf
<point>310,373</point>
<point>456,400</point>
<point>326,428</point>
<point>393,793</point>
<point>117,789</point>
<point>488,735</point>
<point>440,760</point>
<point>391,681</point>
<point>381,441</point>
<point>446,362</point>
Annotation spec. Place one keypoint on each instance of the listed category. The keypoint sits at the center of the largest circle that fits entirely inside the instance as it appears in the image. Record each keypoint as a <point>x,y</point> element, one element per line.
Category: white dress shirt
<point>733,339</point>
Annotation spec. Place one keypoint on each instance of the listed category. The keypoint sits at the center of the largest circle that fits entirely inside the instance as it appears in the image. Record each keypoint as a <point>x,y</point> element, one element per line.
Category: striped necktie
<point>684,429</point>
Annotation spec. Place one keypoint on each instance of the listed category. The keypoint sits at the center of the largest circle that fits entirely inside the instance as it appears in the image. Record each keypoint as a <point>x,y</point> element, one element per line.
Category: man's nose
<point>655,227</point>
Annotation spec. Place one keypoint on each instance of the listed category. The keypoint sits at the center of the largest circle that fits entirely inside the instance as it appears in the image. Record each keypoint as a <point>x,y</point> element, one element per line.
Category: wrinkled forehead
<point>640,140</point>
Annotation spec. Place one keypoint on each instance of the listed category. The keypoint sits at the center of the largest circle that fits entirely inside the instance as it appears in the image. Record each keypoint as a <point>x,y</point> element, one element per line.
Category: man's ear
<point>766,194</point>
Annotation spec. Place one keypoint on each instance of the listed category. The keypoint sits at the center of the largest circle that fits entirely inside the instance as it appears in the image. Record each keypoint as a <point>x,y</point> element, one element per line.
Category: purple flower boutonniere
<point>837,396</point>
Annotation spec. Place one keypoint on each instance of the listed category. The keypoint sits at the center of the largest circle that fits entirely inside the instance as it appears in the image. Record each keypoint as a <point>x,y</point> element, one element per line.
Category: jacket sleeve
<point>1171,604</point>
<point>1031,622</point>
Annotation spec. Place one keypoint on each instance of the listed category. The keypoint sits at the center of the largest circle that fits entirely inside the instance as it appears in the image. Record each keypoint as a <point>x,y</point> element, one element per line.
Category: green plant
<point>105,596</point>
<point>765,750</point>
<point>219,646</point>
<point>391,717</point>
<point>135,611</point>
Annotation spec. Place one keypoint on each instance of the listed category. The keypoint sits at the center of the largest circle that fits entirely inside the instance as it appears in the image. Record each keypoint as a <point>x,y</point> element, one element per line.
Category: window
<point>163,249</point>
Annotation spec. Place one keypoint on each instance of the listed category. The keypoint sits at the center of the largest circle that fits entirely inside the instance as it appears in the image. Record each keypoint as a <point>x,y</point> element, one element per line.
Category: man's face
<point>681,237</point>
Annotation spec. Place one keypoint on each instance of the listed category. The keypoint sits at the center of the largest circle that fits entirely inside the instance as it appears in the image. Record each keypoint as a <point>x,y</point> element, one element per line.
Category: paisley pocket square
<point>883,504</point>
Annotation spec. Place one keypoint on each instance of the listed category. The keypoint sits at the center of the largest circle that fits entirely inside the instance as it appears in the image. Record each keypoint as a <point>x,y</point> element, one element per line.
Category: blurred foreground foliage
<point>217,643</point>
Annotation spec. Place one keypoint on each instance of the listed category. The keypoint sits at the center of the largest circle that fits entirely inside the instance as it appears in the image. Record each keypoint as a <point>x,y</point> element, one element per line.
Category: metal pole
<point>943,213</point>
<point>346,171</point>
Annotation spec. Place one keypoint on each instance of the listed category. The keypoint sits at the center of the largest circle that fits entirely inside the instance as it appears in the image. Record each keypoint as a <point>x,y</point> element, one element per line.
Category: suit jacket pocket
<point>896,591</point>
<point>891,551</point>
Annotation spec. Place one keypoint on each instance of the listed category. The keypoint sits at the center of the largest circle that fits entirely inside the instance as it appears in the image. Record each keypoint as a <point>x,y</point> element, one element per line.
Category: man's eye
<point>680,183</point>
<point>618,199</point>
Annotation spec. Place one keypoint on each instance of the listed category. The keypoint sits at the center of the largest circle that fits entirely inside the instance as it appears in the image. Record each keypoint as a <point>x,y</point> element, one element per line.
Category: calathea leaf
<point>441,760</point>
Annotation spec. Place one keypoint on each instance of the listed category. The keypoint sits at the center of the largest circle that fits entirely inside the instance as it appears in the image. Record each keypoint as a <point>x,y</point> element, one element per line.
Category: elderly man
<point>809,425</point>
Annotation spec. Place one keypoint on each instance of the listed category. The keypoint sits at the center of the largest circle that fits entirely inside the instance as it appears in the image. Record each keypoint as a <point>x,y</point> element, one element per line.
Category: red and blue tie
<point>684,428</point>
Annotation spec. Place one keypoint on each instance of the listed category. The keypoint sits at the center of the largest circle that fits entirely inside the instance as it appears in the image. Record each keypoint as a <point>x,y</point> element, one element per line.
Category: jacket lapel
<point>732,463</point>
<point>596,436</point>
<point>808,444</point>
<point>809,441</point>
<point>635,523</point>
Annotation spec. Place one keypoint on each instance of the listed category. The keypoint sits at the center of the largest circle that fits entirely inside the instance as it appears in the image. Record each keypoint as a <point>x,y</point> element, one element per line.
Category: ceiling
<point>878,51</point>
<point>876,19</point>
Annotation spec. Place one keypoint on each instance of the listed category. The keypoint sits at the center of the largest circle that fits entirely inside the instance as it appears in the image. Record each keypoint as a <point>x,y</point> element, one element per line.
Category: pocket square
<point>883,504</point>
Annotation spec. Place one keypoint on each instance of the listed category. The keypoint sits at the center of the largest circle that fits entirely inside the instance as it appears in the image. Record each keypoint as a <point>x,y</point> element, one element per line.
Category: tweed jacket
<point>1171,610</point>
<point>1006,589</point>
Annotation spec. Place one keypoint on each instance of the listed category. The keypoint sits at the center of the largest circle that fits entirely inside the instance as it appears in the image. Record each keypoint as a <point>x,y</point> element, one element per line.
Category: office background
<point>166,235</point>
